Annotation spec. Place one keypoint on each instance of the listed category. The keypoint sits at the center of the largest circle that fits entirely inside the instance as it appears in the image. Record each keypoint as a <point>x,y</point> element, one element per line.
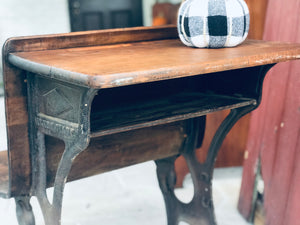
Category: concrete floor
<point>128,196</point>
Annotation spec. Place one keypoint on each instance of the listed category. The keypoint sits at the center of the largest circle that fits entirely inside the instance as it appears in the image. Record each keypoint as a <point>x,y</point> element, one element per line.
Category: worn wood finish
<point>144,62</point>
<point>17,126</point>
<point>89,38</point>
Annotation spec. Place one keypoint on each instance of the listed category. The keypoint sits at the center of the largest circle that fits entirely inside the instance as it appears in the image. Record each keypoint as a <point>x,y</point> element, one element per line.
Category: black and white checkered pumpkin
<point>213,23</point>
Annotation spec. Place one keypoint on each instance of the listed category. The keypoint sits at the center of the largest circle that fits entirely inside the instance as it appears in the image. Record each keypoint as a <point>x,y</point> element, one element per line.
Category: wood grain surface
<point>133,63</point>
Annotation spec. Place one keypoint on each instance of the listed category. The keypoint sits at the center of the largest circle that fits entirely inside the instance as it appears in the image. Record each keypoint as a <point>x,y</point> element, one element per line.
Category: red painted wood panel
<point>274,134</point>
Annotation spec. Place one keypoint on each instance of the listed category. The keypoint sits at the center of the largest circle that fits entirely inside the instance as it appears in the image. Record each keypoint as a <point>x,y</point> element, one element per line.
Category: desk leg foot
<point>24,211</point>
<point>200,210</point>
<point>167,180</point>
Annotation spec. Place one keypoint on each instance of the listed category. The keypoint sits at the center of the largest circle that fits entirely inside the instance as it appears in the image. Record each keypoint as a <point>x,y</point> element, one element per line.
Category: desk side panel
<point>119,150</point>
<point>17,130</point>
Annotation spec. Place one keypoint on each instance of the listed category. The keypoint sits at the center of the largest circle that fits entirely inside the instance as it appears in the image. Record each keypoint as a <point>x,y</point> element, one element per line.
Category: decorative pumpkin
<point>213,23</point>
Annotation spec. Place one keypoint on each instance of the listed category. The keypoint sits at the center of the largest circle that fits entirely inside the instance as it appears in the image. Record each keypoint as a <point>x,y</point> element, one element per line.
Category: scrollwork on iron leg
<point>24,210</point>
<point>176,210</point>
<point>70,153</point>
<point>52,212</point>
<point>167,180</point>
<point>202,173</point>
<point>200,211</point>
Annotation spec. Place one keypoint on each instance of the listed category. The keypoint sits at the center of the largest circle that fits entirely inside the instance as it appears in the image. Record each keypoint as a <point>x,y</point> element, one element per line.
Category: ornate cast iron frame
<point>51,113</point>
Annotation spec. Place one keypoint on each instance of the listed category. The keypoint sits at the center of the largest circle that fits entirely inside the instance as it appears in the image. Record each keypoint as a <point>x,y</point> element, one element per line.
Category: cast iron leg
<point>70,123</point>
<point>52,211</point>
<point>200,211</point>
<point>167,180</point>
<point>24,211</point>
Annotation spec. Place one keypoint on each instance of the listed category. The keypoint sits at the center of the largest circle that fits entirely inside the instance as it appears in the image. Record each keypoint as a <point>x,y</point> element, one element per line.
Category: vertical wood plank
<point>275,126</point>
<point>17,130</point>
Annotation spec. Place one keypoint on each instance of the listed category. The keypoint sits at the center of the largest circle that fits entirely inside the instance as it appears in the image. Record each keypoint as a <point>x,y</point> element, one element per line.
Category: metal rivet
<point>206,203</point>
<point>204,177</point>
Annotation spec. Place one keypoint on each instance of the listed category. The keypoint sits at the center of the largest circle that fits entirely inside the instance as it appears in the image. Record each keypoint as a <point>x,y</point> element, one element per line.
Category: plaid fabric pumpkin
<point>213,23</point>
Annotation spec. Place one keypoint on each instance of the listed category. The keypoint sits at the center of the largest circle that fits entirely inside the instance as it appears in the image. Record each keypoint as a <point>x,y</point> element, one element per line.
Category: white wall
<point>32,17</point>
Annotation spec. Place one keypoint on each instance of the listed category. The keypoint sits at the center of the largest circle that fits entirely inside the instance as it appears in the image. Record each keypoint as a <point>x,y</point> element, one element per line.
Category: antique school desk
<point>84,103</point>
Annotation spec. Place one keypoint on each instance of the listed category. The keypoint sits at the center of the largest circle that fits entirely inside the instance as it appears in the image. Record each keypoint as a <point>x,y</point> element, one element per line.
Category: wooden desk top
<point>112,65</point>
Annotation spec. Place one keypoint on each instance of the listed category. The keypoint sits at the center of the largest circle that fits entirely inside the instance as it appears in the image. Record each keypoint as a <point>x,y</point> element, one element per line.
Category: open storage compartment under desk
<point>131,107</point>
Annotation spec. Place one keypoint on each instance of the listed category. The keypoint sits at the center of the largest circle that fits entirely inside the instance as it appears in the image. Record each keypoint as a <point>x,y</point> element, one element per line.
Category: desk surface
<point>146,61</point>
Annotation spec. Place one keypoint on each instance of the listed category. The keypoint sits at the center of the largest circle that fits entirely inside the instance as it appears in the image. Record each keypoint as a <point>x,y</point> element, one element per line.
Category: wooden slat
<point>119,150</point>
<point>17,129</point>
<point>126,64</point>
<point>89,38</point>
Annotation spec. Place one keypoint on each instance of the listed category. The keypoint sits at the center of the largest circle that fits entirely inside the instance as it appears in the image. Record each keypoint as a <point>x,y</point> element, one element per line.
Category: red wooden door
<point>274,136</point>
